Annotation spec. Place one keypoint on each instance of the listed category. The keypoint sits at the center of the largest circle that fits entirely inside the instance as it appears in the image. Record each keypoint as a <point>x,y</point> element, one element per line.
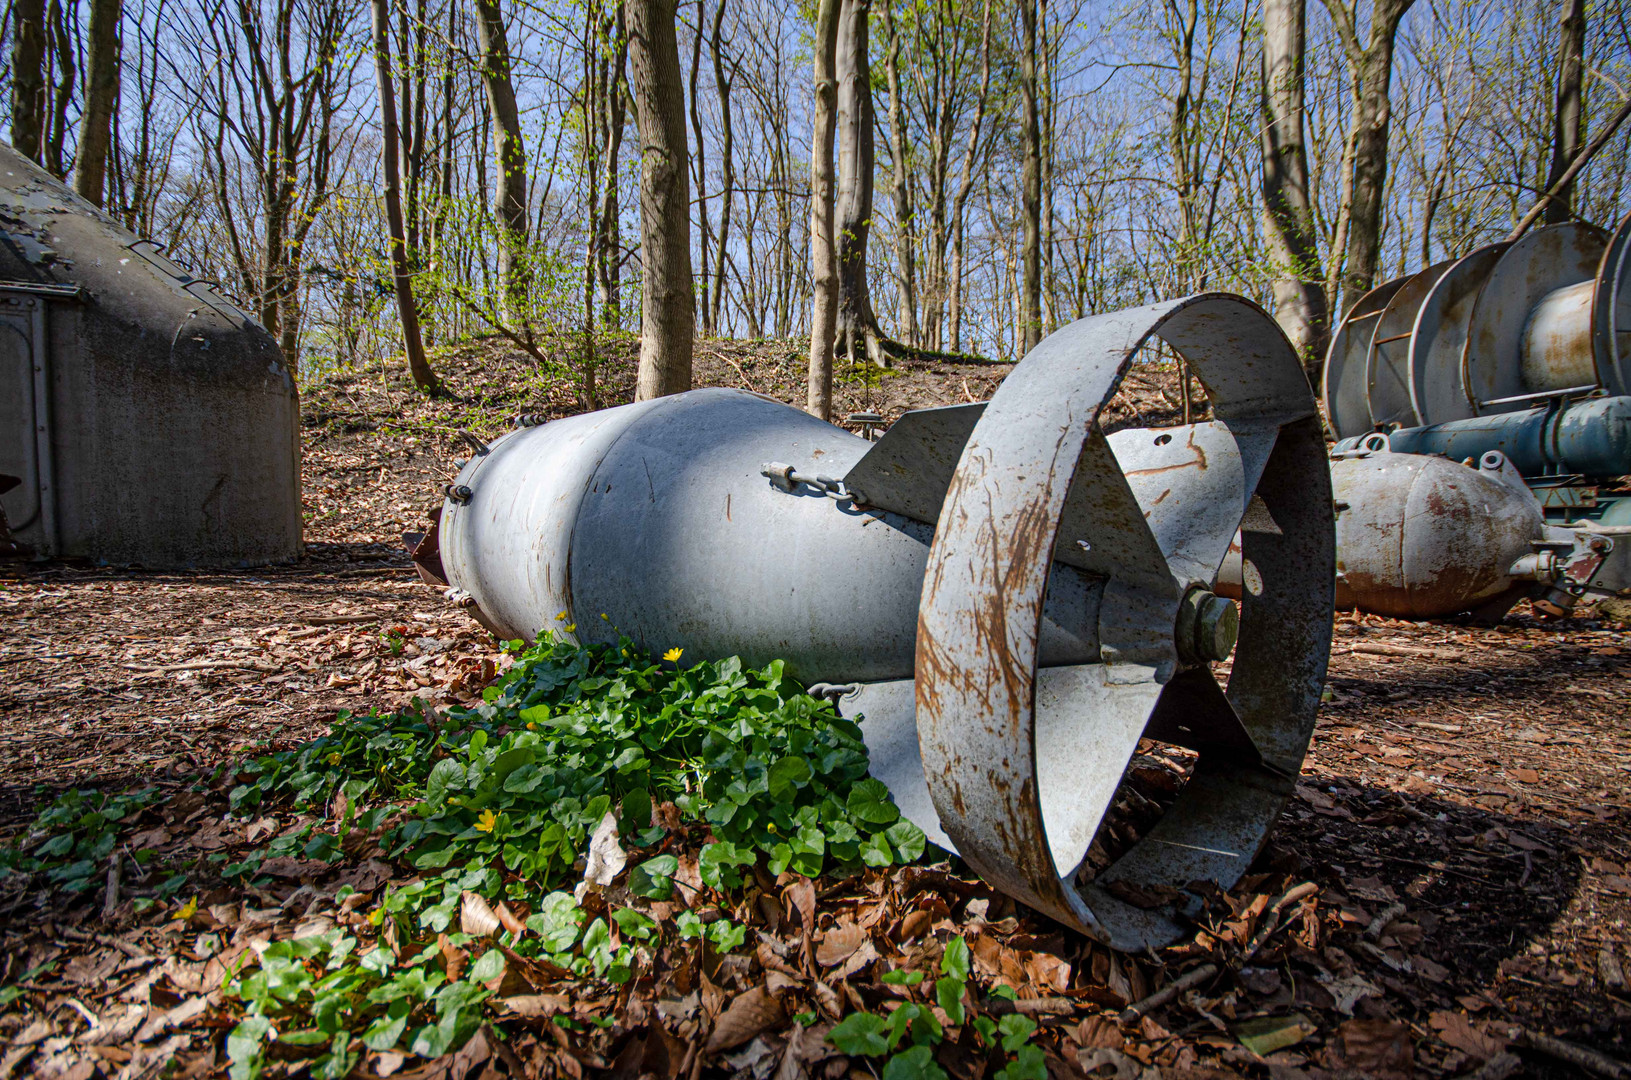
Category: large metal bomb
<point>1005,596</point>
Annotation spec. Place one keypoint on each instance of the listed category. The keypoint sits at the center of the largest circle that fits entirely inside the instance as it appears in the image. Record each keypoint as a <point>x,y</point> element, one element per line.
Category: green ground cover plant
<point>576,754</point>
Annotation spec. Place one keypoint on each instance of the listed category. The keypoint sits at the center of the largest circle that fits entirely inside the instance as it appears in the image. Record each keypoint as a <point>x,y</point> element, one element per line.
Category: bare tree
<point>1299,293</point>
<point>823,260</point>
<point>668,309</point>
<point>402,271</point>
<point>1030,180</point>
<point>858,325</point>
<point>28,87</point>
<point>510,199</point>
<point>1568,118</point>
<point>101,96</point>
<point>1357,256</point>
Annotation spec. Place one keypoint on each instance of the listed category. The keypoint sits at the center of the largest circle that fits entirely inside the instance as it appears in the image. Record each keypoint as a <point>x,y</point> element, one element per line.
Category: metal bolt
<point>1208,626</point>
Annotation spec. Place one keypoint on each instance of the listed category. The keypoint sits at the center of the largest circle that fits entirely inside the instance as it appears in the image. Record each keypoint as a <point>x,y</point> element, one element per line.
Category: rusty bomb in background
<point>1006,598</point>
<point>1515,361</point>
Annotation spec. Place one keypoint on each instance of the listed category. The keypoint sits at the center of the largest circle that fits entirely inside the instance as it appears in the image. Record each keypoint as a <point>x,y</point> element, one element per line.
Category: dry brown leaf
<point>533,1006</point>
<point>1456,1030</point>
<point>750,1013</point>
<point>1047,972</point>
<point>839,943</point>
<point>606,858</point>
<point>476,916</point>
<point>913,925</point>
<point>801,898</point>
<point>1100,1031</point>
<point>1377,1048</point>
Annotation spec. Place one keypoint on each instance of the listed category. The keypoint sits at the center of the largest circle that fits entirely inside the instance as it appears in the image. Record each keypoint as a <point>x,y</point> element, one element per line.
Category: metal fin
<point>909,470</point>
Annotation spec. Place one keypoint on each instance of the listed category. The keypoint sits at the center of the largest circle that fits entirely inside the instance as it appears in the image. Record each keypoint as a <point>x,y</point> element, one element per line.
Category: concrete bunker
<point>145,418</point>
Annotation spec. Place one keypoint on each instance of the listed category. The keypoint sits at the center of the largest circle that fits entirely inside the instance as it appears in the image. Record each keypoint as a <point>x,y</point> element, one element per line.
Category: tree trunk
<point>510,201</point>
<point>1031,183</point>
<point>1372,67</point>
<point>727,165</point>
<point>423,377</point>
<point>857,323</point>
<point>609,262</point>
<point>823,264</point>
<point>1568,119</point>
<point>965,181</point>
<point>56,134</point>
<point>667,309</point>
<point>101,95</point>
<point>901,184</point>
<point>699,172</point>
<point>1299,293</point>
<point>28,77</point>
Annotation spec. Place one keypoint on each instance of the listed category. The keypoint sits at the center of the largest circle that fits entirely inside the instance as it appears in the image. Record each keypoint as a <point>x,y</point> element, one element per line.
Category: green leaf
<point>654,878</point>
<point>916,1063</point>
<point>557,921</point>
<point>875,851</point>
<point>1015,1029</point>
<point>718,863</point>
<point>954,961</point>
<point>914,1019</point>
<point>1028,1064</point>
<point>948,994</point>
<point>907,840</point>
<point>633,924</point>
<point>488,968</point>
<point>860,1034</point>
<point>385,1032</point>
<point>901,977</point>
<point>869,801</point>
<point>787,776</point>
<point>246,1047</point>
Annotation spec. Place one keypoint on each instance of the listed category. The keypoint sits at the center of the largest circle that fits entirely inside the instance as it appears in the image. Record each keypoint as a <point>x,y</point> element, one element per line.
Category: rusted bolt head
<point>1208,626</point>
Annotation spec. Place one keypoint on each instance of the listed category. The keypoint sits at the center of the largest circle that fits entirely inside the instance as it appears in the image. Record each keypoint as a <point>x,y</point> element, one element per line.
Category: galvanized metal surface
<point>1611,312</point>
<point>658,515</point>
<point>1438,376</point>
<point>150,420</point>
<point>1021,792</point>
<point>1346,381</point>
<point>1557,340</point>
<point>1388,396</point>
<point>1540,263</point>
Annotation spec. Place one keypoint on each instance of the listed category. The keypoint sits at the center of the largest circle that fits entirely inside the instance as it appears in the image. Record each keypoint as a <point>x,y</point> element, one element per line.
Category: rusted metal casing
<point>1423,537</point>
<point>1006,597</point>
<point>147,419</point>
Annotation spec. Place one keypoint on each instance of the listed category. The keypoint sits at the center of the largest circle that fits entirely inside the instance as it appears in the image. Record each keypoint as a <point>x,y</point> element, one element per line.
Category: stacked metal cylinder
<point>1521,348</point>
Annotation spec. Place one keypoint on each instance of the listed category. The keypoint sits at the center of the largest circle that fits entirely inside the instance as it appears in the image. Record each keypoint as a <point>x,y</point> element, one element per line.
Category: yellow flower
<point>376,916</point>
<point>605,616</point>
<point>486,822</point>
<point>570,627</point>
<point>673,655</point>
<point>561,617</point>
<point>532,725</point>
<point>334,758</point>
<point>189,909</point>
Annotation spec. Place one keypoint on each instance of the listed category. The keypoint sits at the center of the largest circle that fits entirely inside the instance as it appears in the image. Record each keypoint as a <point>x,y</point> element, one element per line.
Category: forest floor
<point>1462,816</point>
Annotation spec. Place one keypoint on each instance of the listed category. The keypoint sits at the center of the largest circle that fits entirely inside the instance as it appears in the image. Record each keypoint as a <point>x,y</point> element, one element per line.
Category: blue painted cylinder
<point>1591,438</point>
